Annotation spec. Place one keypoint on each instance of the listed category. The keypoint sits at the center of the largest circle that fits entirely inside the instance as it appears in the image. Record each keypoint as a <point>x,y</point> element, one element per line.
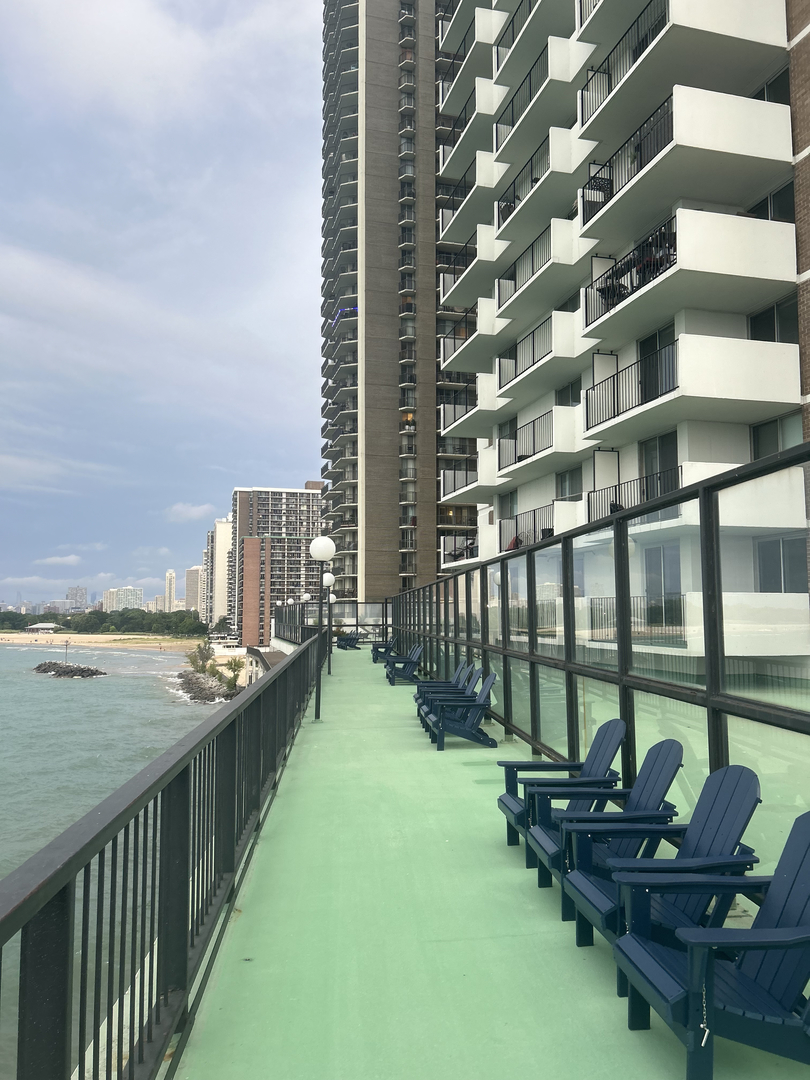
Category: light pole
<point>328,580</point>
<point>322,550</point>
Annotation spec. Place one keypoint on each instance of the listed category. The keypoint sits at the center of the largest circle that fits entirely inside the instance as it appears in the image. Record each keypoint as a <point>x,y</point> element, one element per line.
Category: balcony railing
<point>522,98</point>
<point>639,150</point>
<point>529,351</point>
<point>456,196</point>
<point>527,264</point>
<point>651,258</point>
<point>460,123</point>
<point>614,67</point>
<point>463,402</point>
<point>462,259</point>
<point>512,29</point>
<point>458,546</point>
<point>610,500</point>
<point>528,440</point>
<point>526,528</point>
<point>647,379</point>
<point>654,620</point>
<point>532,173</point>
<point>461,332</point>
<point>460,476</point>
<point>460,54</point>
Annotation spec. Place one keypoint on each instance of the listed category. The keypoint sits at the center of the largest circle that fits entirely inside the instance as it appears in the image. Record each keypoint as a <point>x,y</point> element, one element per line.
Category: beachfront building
<point>215,570</point>
<point>126,597</point>
<point>194,586</point>
<point>269,561</point>
<point>168,596</point>
<point>379,302</point>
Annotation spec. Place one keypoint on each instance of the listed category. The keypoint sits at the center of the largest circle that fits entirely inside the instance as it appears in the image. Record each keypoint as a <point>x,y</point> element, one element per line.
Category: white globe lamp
<point>328,580</point>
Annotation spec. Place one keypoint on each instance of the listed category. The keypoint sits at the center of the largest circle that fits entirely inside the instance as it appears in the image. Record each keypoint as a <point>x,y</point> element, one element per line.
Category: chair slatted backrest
<point>472,682</point>
<point>479,709</point>
<point>784,973</point>
<point>655,777</point>
<point>460,674</point>
<point>603,750</point>
<point>725,806</point>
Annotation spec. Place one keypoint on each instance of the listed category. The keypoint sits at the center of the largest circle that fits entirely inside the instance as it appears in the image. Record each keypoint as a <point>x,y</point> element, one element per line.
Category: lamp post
<point>322,550</point>
<point>328,580</point>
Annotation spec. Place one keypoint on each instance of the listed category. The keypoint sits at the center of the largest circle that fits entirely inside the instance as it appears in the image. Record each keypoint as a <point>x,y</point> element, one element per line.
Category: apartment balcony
<point>697,378</point>
<point>531,22</point>
<point>715,46</point>
<point>550,443</point>
<point>473,411</point>
<point>532,526</point>
<point>475,339</point>
<point>453,26</point>
<point>469,202</point>
<point>543,275</point>
<point>472,58</point>
<point>698,145</point>
<point>541,361</point>
<point>471,270</point>
<point>543,188</point>
<point>695,260</point>
<point>608,500</point>
<point>471,129</point>
<point>472,480</point>
<point>458,548</point>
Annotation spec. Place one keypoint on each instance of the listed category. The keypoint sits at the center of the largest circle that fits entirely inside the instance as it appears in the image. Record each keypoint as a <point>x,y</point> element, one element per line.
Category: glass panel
<point>781,760</point>
<point>666,601</point>
<point>595,599</point>
<point>551,704</point>
<point>658,718</point>
<point>451,607</point>
<point>518,601</point>
<point>519,674</point>
<point>597,702</point>
<point>496,694</point>
<point>461,604</point>
<point>548,591</point>
<point>766,607</point>
<point>474,619</point>
<point>494,636</point>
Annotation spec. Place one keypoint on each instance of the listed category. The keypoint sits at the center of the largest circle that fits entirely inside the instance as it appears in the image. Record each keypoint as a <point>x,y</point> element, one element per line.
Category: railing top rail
<point>525,251</point>
<point>672,347</point>
<point>620,266</point>
<point>27,888</point>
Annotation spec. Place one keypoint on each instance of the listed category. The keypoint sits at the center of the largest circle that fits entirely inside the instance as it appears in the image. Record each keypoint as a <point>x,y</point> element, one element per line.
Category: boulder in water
<point>68,671</point>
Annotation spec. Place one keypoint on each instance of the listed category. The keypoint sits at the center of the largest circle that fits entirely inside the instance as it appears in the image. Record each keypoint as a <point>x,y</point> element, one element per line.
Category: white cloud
<point>47,473</point>
<point>182,512</point>
<point>60,560</point>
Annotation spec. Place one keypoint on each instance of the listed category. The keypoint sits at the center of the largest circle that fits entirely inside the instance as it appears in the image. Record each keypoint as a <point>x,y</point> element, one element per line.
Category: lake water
<point>65,744</point>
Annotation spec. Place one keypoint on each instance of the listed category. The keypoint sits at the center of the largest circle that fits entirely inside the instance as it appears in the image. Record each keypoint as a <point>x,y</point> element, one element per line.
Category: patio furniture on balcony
<point>463,721</point>
<point>403,667</point>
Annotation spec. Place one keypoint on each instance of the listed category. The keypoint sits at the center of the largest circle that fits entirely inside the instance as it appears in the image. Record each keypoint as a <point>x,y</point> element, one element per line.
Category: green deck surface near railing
<point>386,931</point>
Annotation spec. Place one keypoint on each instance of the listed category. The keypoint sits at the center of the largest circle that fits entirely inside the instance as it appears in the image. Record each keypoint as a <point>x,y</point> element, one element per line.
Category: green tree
<point>199,657</point>
<point>222,626</point>
<point>235,664</point>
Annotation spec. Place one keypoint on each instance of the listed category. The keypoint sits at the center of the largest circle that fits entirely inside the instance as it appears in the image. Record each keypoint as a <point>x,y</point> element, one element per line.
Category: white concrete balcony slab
<point>698,145</point>
<point>532,21</point>
<point>557,78</point>
<point>458,152</point>
<point>473,204</point>
<point>481,341</point>
<point>452,31</point>
<point>544,274</point>
<point>484,30</point>
<point>716,262</point>
<point>476,279</point>
<point>698,378</point>
<point>712,45</point>
<point>474,421</point>
<point>544,186</point>
<point>480,486</point>
<point>554,441</point>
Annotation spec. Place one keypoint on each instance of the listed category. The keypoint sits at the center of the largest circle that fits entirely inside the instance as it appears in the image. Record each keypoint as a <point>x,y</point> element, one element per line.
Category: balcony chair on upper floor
<point>381,650</point>
<point>463,720</point>
<point>348,641</point>
<point>461,692</point>
<point>757,999</point>
<point>403,667</point>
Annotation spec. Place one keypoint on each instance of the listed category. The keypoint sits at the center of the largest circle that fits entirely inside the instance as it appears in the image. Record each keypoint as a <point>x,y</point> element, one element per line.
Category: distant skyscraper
<point>118,599</point>
<point>215,565</point>
<point>193,577</point>
<point>169,593</point>
<point>77,597</point>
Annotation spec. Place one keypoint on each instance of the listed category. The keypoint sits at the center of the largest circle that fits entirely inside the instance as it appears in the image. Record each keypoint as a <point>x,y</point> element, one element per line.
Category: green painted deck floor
<point>386,931</point>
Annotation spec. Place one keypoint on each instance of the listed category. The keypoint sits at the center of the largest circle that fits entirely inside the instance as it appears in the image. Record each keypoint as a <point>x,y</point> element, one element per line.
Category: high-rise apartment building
<point>76,597</point>
<point>623,215</point>
<point>215,566</point>
<point>380,305</point>
<point>269,559</point>
<point>118,599</point>
<point>168,595</point>
<point>194,579</point>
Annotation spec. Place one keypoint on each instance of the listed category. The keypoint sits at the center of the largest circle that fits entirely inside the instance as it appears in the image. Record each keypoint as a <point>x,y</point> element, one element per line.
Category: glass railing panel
<point>517,603</point>
<point>551,704</point>
<point>520,673</point>
<point>658,718</point>
<point>597,703</point>
<point>461,604</point>
<point>494,633</point>
<point>595,599</point>
<point>475,605</point>
<point>497,694</point>
<point>549,609</point>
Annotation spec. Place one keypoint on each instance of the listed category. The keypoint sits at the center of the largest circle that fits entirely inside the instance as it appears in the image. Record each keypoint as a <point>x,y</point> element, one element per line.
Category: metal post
<point>329,637</point>
<point>319,654</point>
<point>175,842</point>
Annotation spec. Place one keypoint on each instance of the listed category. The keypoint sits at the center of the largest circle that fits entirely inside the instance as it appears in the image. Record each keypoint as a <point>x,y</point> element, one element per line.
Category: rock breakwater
<point>205,688</point>
<point>68,671</point>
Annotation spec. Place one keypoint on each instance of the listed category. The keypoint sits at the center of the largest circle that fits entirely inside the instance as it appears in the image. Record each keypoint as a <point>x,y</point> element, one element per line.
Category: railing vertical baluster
<point>111,955</point>
<point>142,954</point>
<point>122,952</point>
<point>134,966</point>
<point>226,799</point>
<point>154,993</point>
<point>175,840</point>
<point>97,962</point>
<point>83,962</point>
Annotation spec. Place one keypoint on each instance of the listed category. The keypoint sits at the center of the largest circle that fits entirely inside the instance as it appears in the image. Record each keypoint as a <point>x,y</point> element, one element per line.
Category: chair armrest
<point>541,766</point>
<point>607,816</point>
<point>636,831</point>
<point>740,863</point>
<point>712,884</point>
<point>574,781</point>
<point>620,794</point>
<point>788,937</point>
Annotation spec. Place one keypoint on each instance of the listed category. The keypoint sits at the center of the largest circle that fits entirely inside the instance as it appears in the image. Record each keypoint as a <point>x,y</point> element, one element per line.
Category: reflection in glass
<point>441,621</point>
<point>766,608</point>
<point>658,718</point>
<point>597,702</point>
<point>519,674</point>
<point>781,760</point>
<point>451,607</point>
<point>494,635</point>
<point>666,601</point>
<point>551,703</point>
<point>595,599</point>
<point>548,591</point>
<point>518,603</point>
<point>474,617</point>
<point>497,693</point>
<point>461,604</point>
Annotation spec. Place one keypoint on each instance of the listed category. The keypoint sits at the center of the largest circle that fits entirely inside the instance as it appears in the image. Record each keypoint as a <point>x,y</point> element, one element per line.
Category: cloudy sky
<point>159,260</point>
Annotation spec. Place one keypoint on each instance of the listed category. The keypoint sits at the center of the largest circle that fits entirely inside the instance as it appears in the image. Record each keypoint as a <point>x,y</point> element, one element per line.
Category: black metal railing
<point>463,402</point>
<point>586,9</point>
<point>460,55</point>
<point>108,932</point>
<point>602,81</point>
<point>456,196</point>
<point>528,440</point>
<point>460,476</point>
<point>462,331</point>
<point>529,351</point>
<point>527,264</point>
<point>526,528</point>
<point>458,546</point>
<point>462,259</point>
<point>512,29</point>
<point>639,150</point>
<point>522,98</point>
<point>651,258</point>
<point>647,379</point>
<point>532,173</point>
<point>654,620</point>
<point>609,500</point>
<point>459,124</point>
<point>296,621</point>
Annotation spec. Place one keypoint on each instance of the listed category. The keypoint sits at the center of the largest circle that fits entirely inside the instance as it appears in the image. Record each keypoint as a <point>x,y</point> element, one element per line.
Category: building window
<point>659,454</point>
<point>775,435</point>
<point>778,206</point>
<point>570,394</point>
<point>569,484</point>
<point>508,430</point>
<point>662,570</point>
<point>782,565</point>
<point>779,322</point>
<point>776,89</point>
<point>507,505</point>
<point>653,344</point>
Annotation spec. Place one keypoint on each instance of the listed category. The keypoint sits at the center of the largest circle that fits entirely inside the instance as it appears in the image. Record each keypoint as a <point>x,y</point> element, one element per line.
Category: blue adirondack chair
<point>382,649</point>
<point>463,693</point>
<point>348,641</point>
<point>710,843</point>
<point>463,720</point>
<point>403,667</point>
<point>757,999</point>
<point>594,771</point>
<point>423,686</point>
<point>644,802</point>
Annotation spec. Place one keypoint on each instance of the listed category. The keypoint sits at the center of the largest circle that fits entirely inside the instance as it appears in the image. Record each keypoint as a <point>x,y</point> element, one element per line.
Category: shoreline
<point>140,642</point>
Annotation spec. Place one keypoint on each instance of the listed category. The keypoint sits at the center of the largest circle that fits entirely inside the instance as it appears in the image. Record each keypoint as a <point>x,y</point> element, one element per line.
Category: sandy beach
<point>154,642</point>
